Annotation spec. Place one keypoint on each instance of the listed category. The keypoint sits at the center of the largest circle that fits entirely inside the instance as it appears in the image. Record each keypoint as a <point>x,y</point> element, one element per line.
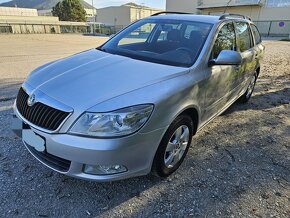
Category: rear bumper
<point>135,152</point>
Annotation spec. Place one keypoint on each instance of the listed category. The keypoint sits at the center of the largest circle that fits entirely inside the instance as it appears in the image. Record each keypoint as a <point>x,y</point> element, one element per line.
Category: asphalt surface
<point>238,166</point>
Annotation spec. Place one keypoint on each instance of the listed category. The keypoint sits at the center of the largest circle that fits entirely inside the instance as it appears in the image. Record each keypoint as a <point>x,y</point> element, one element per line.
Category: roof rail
<point>224,16</point>
<point>168,12</point>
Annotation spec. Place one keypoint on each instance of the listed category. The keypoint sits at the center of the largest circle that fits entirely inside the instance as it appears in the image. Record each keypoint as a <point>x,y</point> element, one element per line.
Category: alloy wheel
<point>176,146</point>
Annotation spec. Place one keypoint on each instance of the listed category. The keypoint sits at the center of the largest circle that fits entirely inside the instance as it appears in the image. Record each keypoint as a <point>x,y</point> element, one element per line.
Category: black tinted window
<point>244,34</point>
<point>226,40</point>
<point>256,34</point>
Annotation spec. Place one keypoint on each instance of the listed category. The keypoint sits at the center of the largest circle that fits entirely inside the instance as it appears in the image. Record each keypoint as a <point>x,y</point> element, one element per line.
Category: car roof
<point>212,19</point>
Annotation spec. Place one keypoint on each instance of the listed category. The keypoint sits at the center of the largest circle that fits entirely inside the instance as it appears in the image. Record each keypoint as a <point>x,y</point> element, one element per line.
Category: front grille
<point>54,162</point>
<point>39,114</point>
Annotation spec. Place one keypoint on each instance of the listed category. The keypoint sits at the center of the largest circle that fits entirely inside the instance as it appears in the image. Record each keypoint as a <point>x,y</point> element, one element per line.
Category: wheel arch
<point>194,114</point>
<point>190,111</point>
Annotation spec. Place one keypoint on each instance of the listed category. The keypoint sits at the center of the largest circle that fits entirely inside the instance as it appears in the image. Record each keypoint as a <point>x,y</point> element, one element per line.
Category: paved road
<point>239,165</point>
<point>20,54</point>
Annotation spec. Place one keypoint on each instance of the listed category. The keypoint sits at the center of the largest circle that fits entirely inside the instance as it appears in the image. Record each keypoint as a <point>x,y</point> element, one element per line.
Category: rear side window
<point>226,40</point>
<point>256,34</point>
<point>244,35</point>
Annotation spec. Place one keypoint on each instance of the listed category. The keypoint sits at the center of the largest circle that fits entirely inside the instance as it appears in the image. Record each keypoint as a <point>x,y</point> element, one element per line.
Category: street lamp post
<point>228,4</point>
<point>94,30</point>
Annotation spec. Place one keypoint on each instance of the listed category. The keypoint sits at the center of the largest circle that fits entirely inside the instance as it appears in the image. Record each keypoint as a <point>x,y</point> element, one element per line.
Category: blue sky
<point>106,3</point>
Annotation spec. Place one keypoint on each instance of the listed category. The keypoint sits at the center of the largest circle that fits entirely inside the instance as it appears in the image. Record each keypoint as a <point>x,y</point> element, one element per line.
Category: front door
<point>221,78</point>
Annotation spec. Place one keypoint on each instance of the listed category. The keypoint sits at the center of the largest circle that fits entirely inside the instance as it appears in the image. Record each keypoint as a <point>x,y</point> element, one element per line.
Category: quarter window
<point>256,34</point>
<point>226,40</point>
<point>245,38</point>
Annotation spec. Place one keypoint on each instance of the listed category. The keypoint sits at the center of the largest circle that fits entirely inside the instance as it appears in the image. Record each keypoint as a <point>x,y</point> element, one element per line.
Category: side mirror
<point>227,57</point>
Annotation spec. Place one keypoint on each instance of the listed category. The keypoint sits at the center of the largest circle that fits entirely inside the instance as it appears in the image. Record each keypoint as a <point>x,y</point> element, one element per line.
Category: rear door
<point>259,47</point>
<point>246,47</point>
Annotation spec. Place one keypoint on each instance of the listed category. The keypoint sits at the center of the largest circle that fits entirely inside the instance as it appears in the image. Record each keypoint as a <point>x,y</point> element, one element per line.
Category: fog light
<point>104,170</point>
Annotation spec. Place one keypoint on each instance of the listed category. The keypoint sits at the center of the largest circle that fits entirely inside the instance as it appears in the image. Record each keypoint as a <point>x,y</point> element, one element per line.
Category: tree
<point>70,10</point>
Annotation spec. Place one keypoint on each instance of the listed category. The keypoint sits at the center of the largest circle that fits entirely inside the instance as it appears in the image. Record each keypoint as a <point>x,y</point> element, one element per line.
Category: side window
<point>244,36</point>
<point>256,34</point>
<point>226,40</point>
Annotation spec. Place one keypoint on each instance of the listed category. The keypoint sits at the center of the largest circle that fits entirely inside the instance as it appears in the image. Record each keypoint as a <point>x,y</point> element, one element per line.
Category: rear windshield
<point>169,42</point>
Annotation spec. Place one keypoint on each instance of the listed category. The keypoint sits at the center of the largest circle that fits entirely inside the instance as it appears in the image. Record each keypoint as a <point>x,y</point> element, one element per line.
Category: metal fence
<point>5,29</point>
<point>266,28</point>
<point>27,28</point>
<point>74,29</point>
<point>107,30</point>
<point>274,28</point>
<point>34,28</point>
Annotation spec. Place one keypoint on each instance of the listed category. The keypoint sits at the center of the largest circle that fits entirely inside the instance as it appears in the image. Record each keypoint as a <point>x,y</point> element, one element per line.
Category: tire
<point>173,146</point>
<point>247,95</point>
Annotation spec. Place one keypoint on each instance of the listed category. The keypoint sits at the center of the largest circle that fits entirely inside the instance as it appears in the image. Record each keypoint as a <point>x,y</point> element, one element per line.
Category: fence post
<point>269,28</point>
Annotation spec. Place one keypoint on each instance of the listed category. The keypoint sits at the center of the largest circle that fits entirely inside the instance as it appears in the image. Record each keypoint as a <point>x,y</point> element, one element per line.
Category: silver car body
<point>96,81</point>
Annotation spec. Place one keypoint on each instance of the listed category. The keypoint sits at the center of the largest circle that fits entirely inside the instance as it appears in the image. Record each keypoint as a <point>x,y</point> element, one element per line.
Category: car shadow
<point>263,101</point>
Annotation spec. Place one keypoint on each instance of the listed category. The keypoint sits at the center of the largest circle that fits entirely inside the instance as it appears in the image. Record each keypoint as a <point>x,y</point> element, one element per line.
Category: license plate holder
<point>32,139</point>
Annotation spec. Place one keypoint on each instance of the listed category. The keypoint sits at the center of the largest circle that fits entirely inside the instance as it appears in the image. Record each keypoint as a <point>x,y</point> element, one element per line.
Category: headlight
<point>112,124</point>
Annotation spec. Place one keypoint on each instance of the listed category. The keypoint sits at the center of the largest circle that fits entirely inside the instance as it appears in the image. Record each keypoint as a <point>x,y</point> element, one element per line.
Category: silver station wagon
<point>132,105</point>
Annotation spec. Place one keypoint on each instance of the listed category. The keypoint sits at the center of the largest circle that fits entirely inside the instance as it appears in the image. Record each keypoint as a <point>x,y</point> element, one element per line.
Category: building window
<point>247,1</point>
<point>278,3</point>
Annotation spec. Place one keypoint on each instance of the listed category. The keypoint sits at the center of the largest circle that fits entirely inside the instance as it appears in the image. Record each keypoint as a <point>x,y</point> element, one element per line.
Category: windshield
<point>170,42</point>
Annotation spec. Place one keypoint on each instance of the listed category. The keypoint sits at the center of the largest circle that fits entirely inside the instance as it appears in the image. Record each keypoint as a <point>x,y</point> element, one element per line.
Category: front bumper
<point>135,152</point>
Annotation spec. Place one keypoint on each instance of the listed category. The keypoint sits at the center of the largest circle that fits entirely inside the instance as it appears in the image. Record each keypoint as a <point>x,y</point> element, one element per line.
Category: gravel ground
<point>238,166</point>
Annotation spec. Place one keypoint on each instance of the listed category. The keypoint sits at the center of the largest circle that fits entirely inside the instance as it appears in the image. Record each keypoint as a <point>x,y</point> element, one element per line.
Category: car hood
<point>88,78</point>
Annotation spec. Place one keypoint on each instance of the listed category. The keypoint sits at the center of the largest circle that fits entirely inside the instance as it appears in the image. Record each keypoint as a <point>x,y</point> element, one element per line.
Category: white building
<point>271,16</point>
<point>258,10</point>
<point>189,6</point>
<point>121,16</point>
<point>9,11</point>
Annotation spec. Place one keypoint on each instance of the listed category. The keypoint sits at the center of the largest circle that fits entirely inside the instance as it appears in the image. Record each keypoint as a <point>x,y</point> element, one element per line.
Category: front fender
<point>170,98</point>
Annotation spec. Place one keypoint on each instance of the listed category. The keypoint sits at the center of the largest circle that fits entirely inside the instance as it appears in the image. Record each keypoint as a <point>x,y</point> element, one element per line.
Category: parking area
<point>239,165</point>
